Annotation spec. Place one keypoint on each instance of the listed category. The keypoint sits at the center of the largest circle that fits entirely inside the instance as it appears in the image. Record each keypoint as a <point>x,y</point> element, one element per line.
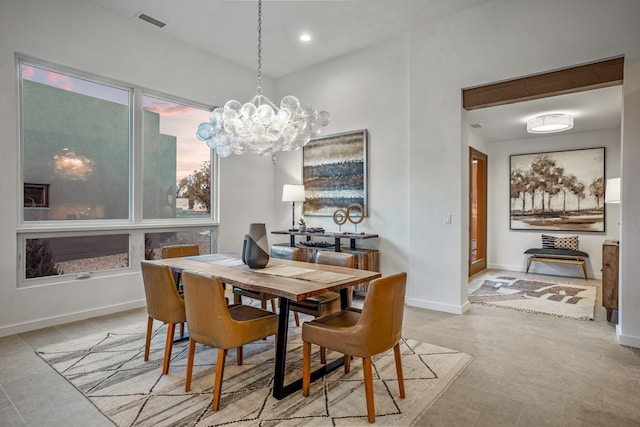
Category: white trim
<point>70,317</point>
<point>431,305</point>
<point>626,339</point>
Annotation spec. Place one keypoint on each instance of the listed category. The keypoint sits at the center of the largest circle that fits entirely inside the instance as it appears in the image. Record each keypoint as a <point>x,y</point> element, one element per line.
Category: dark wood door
<point>477,211</point>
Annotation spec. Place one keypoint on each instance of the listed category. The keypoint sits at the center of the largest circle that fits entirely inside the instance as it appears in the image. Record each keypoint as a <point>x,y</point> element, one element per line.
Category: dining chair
<point>163,304</point>
<point>176,251</point>
<point>361,333</point>
<point>213,323</point>
<point>276,251</point>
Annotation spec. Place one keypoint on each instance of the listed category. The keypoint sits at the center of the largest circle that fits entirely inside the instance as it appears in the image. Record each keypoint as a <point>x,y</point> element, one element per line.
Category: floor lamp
<point>293,193</point>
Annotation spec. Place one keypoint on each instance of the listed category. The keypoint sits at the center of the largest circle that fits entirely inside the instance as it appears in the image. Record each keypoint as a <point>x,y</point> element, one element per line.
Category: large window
<point>97,194</point>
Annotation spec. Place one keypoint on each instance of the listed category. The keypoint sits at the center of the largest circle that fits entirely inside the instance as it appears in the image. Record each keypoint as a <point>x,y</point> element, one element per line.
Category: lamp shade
<point>292,193</point>
<point>550,123</point>
<point>612,192</point>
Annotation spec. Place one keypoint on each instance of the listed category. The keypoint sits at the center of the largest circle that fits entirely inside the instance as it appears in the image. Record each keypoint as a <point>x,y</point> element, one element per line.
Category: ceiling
<point>229,29</point>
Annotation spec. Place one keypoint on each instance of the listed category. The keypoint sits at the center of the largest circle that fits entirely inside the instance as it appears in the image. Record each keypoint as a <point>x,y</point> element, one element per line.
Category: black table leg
<point>280,390</point>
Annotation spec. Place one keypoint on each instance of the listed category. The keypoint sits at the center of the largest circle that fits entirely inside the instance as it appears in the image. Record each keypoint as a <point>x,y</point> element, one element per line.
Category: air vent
<point>476,125</point>
<point>151,20</point>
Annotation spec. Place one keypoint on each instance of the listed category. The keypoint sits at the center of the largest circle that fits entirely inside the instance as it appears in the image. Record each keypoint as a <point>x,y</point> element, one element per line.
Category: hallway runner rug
<point>534,296</point>
<point>109,370</point>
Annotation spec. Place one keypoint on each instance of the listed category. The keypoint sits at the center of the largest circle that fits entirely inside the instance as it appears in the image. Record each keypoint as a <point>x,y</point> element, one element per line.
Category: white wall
<point>85,37</point>
<point>364,90</point>
<point>505,246</point>
<point>628,329</point>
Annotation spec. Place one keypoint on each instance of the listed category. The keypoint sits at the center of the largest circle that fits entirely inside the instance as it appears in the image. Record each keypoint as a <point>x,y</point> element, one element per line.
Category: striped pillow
<point>548,242</point>
<point>567,242</point>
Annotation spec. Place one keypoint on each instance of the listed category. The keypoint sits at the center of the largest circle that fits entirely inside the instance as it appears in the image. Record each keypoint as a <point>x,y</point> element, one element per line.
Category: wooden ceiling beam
<point>575,79</point>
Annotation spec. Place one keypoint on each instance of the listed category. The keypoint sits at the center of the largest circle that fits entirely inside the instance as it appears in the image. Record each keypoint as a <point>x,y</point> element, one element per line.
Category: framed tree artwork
<point>559,190</point>
<point>334,173</point>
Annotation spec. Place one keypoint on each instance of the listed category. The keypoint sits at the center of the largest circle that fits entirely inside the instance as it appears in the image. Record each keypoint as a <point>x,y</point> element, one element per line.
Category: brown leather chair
<point>163,304</point>
<point>361,333</point>
<point>213,323</point>
<point>281,252</point>
<point>175,251</point>
<point>329,301</point>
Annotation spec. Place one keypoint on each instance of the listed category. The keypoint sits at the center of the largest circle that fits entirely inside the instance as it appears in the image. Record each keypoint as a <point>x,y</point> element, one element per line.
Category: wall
<point>505,246</point>
<point>82,36</point>
<point>365,90</point>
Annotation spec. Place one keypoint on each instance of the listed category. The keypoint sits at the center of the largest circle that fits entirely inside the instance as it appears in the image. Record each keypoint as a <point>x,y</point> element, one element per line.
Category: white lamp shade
<point>550,123</point>
<point>292,193</point>
<point>612,194</point>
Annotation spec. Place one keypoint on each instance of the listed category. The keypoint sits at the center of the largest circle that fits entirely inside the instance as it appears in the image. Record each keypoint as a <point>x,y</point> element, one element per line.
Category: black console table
<point>337,236</point>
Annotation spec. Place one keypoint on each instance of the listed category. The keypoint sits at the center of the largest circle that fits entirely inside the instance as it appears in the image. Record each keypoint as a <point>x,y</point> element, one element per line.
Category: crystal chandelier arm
<point>259,88</point>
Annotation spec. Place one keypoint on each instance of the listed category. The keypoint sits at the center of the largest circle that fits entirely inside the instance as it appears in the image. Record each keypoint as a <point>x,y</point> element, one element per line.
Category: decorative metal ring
<point>340,216</point>
<point>357,207</point>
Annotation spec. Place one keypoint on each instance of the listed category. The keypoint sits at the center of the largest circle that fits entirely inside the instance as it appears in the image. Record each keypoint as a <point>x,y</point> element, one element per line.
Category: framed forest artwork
<point>558,190</point>
<point>334,173</point>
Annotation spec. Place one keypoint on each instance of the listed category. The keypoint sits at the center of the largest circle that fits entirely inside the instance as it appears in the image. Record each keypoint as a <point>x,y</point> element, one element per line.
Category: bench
<point>564,256</point>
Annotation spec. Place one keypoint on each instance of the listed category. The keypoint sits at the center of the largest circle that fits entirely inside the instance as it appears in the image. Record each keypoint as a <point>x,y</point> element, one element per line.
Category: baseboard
<point>430,305</point>
<point>626,339</point>
<point>70,317</point>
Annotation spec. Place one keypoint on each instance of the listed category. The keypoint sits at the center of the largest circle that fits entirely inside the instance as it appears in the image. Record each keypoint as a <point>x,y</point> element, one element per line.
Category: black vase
<point>255,248</point>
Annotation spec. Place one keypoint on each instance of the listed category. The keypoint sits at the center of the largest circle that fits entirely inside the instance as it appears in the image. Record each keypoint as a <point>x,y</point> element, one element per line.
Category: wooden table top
<point>294,280</point>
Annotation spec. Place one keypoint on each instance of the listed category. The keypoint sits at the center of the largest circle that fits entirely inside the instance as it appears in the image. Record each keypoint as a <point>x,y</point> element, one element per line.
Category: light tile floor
<point>528,370</point>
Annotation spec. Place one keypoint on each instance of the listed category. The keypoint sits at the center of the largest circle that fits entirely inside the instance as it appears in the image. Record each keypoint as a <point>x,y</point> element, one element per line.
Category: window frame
<point>134,225</point>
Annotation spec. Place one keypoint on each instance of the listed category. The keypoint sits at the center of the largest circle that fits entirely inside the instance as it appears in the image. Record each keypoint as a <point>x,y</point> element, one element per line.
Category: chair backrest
<point>175,251</point>
<point>380,324</point>
<point>208,315</point>
<point>285,252</point>
<point>163,301</point>
<point>339,259</point>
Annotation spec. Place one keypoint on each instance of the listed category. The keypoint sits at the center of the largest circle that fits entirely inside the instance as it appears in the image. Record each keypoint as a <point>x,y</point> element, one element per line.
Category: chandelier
<point>260,126</point>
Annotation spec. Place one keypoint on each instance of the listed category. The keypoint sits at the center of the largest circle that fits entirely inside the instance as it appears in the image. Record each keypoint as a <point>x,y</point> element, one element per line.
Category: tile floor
<point>528,370</point>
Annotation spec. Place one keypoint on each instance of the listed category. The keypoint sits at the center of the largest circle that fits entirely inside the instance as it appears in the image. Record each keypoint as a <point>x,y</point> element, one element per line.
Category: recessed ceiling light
<point>305,37</point>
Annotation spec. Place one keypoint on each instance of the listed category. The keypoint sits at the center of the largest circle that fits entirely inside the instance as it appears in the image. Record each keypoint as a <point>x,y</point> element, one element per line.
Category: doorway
<point>477,211</point>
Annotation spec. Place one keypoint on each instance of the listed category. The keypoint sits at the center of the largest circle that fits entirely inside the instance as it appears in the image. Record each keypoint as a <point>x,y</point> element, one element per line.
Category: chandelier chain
<point>259,46</point>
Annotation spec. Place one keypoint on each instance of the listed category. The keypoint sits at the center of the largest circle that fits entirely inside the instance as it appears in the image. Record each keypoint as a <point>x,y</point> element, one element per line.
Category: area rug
<point>553,298</point>
<point>109,370</point>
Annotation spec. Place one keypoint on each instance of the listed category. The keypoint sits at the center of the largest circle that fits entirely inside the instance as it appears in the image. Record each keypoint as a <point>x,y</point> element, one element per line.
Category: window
<point>82,162</point>
<point>177,170</point>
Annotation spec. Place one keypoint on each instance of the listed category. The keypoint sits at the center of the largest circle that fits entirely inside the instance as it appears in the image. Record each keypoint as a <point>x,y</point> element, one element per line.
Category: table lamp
<point>293,193</point>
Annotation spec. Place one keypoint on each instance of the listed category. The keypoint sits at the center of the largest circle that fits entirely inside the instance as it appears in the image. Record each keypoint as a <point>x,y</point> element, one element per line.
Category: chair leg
<point>306,367</point>
<point>368,388</point>
<point>217,387</point>
<point>323,355</point>
<point>237,299</point>
<point>396,352</point>
<point>192,350</point>
<point>297,319</point>
<point>347,363</point>
<point>239,355</point>
<point>263,304</point>
<point>171,329</point>
<point>273,305</point>
<point>181,329</point>
<point>147,343</point>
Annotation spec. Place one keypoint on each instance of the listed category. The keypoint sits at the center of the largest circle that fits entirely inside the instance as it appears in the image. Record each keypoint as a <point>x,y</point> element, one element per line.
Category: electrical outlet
<point>447,219</point>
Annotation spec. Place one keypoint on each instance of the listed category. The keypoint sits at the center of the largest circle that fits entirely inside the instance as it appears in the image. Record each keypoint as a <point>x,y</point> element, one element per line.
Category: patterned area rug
<point>108,369</point>
<point>558,299</point>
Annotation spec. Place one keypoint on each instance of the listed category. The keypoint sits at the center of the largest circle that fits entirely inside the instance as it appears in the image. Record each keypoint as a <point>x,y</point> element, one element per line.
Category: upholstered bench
<point>560,255</point>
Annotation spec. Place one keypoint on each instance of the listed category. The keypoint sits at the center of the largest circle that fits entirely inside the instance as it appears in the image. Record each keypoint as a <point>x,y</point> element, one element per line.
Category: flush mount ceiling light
<point>260,126</point>
<point>550,123</point>
<point>305,37</point>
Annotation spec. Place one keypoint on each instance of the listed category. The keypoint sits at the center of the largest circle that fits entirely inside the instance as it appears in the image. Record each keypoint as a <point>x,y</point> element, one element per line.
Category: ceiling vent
<point>151,20</point>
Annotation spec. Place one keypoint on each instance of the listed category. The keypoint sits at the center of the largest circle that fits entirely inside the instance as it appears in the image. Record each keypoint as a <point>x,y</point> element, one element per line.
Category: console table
<point>365,259</point>
<point>336,236</point>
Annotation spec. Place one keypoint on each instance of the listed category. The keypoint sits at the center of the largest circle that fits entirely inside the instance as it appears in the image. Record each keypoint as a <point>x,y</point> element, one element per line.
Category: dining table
<point>288,281</point>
